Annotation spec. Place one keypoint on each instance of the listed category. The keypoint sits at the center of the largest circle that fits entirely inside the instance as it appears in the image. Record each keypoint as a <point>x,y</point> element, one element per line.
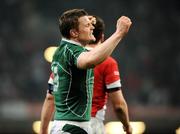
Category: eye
<point>88,24</point>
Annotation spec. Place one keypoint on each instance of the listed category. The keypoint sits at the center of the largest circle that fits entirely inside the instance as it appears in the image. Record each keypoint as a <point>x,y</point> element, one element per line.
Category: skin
<point>84,34</point>
<point>101,52</point>
<point>121,109</point>
<point>47,113</point>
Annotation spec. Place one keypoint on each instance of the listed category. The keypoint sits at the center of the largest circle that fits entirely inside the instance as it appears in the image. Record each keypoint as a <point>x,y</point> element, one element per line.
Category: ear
<point>74,33</point>
<point>102,38</point>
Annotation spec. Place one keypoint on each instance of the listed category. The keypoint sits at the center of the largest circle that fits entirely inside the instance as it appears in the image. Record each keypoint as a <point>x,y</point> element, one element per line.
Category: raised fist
<point>123,25</point>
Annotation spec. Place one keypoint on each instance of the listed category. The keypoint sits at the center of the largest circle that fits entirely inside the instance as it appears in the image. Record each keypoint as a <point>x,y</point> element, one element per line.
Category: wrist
<point>126,127</point>
<point>118,35</point>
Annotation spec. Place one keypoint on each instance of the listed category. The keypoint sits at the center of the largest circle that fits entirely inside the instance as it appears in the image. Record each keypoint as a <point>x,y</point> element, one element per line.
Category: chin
<point>93,39</point>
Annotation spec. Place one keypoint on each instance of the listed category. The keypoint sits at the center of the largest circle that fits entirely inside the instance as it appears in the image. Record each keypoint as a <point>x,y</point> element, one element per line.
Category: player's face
<point>85,31</point>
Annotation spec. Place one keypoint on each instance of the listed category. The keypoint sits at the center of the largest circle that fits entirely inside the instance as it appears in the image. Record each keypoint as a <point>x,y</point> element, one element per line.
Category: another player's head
<point>74,24</point>
<point>98,32</point>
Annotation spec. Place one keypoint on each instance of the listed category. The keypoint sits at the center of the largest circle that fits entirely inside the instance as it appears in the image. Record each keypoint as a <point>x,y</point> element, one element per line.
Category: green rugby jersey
<point>73,87</point>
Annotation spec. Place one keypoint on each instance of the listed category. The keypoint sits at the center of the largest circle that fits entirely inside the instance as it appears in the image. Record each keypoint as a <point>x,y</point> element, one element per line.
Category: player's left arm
<point>121,108</point>
<point>48,107</point>
<point>47,113</point>
<point>115,94</point>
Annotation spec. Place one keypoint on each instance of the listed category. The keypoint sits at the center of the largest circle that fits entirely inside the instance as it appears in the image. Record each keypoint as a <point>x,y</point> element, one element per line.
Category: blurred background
<point>149,59</point>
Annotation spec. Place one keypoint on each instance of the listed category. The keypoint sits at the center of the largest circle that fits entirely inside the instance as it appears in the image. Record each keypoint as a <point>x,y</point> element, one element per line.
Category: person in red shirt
<point>106,84</point>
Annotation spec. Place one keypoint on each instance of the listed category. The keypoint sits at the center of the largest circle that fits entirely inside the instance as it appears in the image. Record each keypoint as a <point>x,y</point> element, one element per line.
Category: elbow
<point>120,109</point>
<point>91,63</point>
<point>88,63</point>
<point>120,106</point>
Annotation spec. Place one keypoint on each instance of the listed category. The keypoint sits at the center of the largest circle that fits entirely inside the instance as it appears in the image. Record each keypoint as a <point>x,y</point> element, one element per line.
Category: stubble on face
<point>85,30</point>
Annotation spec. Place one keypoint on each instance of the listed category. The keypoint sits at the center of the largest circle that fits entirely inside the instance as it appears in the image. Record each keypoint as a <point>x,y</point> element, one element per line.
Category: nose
<point>92,27</point>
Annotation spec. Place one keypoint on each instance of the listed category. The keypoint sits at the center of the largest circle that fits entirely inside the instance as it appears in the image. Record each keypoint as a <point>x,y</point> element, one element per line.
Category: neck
<point>72,41</point>
<point>93,45</point>
<point>78,41</point>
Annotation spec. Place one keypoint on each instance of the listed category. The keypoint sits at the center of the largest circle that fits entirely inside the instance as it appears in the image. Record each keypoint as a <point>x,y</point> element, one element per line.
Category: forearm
<point>122,114</point>
<point>121,109</point>
<point>46,115</point>
<point>100,52</point>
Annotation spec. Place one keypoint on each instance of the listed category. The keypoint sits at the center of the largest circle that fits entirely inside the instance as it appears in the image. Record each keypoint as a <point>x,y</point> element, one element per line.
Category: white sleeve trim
<point>114,84</point>
<point>50,81</point>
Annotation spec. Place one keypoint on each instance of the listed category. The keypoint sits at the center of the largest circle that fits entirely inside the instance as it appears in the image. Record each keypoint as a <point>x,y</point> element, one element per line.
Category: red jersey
<point>106,78</point>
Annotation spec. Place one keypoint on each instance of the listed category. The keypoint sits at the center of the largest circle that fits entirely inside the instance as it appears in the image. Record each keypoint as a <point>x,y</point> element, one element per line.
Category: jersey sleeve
<point>75,52</point>
<point>50,83</point>
<point>112,75</point>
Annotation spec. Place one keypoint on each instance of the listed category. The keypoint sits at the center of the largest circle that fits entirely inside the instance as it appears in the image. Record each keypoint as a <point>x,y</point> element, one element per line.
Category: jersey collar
<point>71,41</point>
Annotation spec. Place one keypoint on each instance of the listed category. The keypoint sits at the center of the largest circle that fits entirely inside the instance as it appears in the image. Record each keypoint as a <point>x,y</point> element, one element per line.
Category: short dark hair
<point>69,20</point>
<point>99,28</point>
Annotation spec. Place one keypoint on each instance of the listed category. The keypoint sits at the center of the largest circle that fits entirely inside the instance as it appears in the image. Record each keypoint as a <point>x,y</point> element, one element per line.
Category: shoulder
<point>110,61</point>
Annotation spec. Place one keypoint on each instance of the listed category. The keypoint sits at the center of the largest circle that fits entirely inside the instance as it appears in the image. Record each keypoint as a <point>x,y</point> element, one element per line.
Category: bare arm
<point>47,113</point>
<point>101,52</point>
<point>121,109</point>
